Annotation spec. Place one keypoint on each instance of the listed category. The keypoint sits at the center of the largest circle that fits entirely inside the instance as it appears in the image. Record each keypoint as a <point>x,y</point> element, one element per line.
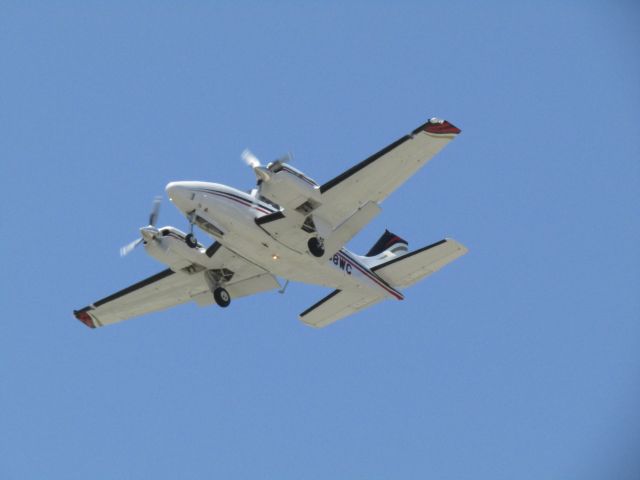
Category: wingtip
<point>439,127</point>
<point>459,246</point>
<point>84,317</point>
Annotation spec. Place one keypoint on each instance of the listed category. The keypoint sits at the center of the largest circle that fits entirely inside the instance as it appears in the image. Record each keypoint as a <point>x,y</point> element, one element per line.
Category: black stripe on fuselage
<point>408,255</point>
<point>332,183</point>
<point>136,286</point>
<point>369,272</point>
<point>251,201</point>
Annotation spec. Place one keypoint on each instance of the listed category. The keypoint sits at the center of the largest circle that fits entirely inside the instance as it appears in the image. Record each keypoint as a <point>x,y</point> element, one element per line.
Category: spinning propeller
<point>262,172</point>
<point>147,233</point>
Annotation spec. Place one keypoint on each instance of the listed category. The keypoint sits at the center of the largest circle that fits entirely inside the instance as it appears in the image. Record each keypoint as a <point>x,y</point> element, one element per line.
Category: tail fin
<point>385,242</point>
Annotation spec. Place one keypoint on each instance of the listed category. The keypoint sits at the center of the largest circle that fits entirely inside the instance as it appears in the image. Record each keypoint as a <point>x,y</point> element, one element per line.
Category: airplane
<point>288,226</point>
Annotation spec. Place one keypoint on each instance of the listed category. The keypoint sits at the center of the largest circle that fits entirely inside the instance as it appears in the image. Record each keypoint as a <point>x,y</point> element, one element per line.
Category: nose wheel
<point>316,246</point>
<point>191,240</point>
<point>222,297</point>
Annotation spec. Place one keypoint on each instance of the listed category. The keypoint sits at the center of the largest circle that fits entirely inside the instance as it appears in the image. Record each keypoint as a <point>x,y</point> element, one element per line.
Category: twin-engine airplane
<point>288,227</point>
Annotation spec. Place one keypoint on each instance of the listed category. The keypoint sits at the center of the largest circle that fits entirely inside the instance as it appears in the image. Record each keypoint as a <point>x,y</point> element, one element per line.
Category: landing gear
<point>316,246</point>
<point>222,297</point>
<point>191,241</point>
<point>214,279</point>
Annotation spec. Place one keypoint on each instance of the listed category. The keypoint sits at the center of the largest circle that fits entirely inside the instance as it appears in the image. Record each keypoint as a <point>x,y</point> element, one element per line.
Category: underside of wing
<point>339,209</point>
<point>168,288</point>
<point>157,292</point>
<point>373,179</point>
<point>338,304</point>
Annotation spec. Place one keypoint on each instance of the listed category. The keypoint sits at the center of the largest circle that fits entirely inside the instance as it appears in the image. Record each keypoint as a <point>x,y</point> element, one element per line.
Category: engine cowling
<point>170,248</point>
<point>290,188</point>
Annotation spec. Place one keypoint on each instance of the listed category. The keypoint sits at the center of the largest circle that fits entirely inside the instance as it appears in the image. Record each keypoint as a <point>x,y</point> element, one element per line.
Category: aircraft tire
<point>191,241</point>
<point>222,297</point>
<point>315,247</point>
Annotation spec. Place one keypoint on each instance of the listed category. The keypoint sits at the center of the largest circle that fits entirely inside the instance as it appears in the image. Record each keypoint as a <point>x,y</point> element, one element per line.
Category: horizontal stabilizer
<point>338,304</point>
<point>404,271</point>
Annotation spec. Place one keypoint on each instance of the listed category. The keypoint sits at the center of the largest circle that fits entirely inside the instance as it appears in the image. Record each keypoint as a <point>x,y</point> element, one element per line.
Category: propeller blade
<point>277,163</point>
<point>286,158</point>
<point>262,173</point>
<point>249,158</point>
<point>127,249</point>
<point>155,210</point>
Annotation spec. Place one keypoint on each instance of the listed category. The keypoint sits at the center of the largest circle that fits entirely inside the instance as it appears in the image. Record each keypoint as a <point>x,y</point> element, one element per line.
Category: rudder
<point>385,242</point>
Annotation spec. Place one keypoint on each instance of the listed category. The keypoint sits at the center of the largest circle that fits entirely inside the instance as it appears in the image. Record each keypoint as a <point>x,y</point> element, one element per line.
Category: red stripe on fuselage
<point>246,203</point>
<point>370,275</point>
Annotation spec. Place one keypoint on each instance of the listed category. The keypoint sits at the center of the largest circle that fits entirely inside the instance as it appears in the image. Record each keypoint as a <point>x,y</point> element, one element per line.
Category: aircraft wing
<point>338,304</point>
<point>168,288</point>
<point>373,179</point>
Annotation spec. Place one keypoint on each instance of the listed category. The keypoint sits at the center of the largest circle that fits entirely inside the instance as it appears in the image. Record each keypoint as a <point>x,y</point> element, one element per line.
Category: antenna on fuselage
<point>282,290</point>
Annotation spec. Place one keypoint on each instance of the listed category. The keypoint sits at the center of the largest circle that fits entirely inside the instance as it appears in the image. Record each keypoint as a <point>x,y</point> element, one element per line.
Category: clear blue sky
<point>521,360</point>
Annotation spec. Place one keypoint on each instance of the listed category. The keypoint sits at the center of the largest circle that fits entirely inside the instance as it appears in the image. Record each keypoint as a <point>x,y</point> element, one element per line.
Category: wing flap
<point>257,284</point>
<point>337,305</point>
<point>406,270</point>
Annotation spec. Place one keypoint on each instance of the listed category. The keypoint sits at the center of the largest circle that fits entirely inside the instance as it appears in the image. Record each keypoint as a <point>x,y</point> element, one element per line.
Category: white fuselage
<point>229,215</point>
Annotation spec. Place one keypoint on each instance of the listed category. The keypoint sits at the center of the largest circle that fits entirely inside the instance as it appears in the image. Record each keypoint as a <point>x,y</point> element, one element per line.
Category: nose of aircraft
<point>179,193</point>
<point>172,189</point>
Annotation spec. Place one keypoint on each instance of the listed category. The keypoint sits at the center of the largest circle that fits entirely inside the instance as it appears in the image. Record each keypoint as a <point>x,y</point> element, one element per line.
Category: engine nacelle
<point>290,188</point>
<point>170,247</point>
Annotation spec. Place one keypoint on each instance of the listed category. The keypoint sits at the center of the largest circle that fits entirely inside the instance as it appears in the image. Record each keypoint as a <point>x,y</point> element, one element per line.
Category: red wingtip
<point>438,126</point>
<point>85,318</point>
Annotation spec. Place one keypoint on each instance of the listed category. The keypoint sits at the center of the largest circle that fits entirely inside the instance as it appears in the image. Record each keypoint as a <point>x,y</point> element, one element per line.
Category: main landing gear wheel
<point>222,297</point>
<point>191,241</point>
<point>315,247</point>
